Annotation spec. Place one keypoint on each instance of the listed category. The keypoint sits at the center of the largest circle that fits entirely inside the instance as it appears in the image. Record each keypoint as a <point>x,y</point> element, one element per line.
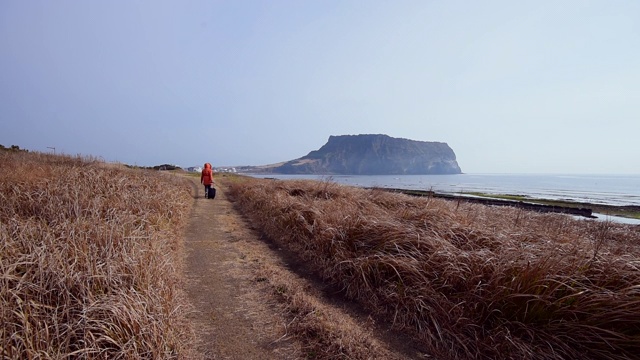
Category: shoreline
<point>582,209</point>
<point>627,213</point>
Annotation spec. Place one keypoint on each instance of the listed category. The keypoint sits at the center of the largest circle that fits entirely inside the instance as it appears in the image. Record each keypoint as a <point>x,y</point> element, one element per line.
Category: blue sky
<point>511,86</point>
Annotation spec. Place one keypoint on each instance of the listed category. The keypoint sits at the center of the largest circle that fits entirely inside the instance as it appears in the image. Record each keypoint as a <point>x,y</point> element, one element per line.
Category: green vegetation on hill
<point>372,154</point>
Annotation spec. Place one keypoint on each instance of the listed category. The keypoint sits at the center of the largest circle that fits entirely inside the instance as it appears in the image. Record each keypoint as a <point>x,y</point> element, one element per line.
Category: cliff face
<point>374,155</point>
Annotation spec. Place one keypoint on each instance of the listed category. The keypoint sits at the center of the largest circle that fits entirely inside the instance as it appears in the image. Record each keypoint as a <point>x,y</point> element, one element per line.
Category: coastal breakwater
<point>543,208</point>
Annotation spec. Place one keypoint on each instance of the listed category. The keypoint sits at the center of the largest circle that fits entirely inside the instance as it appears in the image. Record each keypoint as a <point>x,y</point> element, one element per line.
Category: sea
<point>616,190</point>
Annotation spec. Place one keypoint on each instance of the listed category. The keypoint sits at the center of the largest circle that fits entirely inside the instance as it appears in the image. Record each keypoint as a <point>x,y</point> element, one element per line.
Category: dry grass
<point>89,258</point>
<point>467,280</point>
<point>323,331</point>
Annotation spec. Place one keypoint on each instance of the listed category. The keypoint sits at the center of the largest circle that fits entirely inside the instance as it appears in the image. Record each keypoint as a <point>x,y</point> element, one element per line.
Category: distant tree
<point>15,148</point>
<point>167,167</point>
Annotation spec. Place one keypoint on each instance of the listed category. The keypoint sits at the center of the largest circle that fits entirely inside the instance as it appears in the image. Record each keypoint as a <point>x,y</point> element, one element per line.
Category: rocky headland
<point>371,154</point>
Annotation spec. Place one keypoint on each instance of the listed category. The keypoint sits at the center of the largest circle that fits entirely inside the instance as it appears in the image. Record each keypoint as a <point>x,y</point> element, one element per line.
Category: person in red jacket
<point>206,179</point>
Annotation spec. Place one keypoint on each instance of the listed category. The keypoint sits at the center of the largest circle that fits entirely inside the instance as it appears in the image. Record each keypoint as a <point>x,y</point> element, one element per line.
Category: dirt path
<point>229,270</point>
<point>232,318</point>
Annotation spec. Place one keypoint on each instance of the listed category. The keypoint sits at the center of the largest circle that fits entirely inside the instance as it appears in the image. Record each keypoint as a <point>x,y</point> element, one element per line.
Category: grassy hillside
<point>89,260</point>
<point>467,281</point>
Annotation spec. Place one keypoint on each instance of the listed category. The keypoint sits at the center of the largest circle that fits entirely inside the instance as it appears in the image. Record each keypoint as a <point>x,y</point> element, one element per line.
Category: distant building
<point>226,169</point>
<point>215,169</point>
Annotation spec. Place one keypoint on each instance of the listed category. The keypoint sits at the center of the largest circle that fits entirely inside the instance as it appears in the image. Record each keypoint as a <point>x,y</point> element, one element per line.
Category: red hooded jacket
<point>207,175</point>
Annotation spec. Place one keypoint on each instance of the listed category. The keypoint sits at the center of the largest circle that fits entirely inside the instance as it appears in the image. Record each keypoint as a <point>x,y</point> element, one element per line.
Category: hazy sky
<point>511,86</point>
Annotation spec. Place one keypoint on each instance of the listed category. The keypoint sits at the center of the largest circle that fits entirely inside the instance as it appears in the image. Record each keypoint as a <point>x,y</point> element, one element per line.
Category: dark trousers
<point>206,190</point>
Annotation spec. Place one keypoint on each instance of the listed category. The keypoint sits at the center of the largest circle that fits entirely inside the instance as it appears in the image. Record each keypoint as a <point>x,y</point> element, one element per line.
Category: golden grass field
<point>467,281</point>
<point>91,267</point>
<point>89,260</point>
